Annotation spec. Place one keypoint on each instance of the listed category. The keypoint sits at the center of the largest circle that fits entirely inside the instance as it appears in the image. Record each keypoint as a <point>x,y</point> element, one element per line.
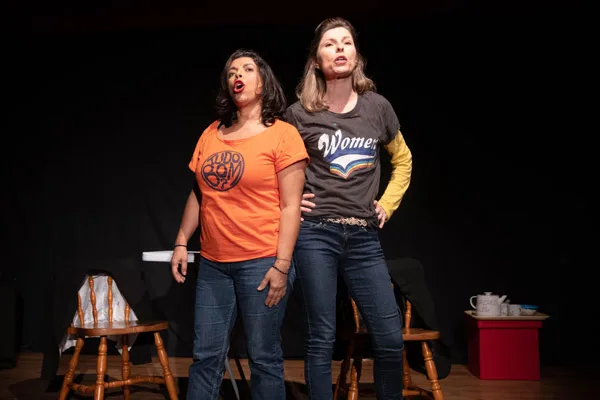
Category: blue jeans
<point>222,289</point>
<point>323,251</point>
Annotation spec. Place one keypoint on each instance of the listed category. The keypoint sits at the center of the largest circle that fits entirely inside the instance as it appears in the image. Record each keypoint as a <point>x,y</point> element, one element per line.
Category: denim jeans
<point>222,289</point>
<point>323,251</point>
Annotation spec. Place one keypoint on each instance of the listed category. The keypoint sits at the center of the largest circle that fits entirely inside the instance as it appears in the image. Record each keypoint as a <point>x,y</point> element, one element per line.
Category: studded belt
<point>347,221</point>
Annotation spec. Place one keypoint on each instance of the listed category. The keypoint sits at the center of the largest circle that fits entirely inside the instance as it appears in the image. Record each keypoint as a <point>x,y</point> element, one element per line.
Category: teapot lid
<point>487,293</point>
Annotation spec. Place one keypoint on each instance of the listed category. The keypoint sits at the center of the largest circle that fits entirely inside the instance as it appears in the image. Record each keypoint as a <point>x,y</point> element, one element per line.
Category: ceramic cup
<point>514,310</point>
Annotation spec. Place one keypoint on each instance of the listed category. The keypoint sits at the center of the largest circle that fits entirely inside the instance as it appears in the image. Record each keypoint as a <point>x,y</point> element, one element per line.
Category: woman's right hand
<point>178,258</point>
<point>305,205</point>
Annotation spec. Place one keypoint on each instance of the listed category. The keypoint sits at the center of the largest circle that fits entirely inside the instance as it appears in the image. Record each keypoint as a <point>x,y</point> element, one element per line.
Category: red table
<point>504,347</point>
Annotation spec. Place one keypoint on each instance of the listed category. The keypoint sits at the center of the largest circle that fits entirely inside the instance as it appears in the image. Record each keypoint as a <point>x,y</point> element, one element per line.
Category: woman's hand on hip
<point>277,283</point>
<point>305,205</point>
<point>381,214</point>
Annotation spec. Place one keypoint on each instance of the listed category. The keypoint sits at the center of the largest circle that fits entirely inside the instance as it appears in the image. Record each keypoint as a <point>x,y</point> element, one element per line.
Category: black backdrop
<point>491,102</point>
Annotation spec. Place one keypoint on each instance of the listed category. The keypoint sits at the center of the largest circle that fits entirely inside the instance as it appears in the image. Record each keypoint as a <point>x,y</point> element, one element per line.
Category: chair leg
<point>100,369</point>
<point>432,375</point>
<point>237,330</point>
<point>407,380</point>
<point>164,362</point>
<point>355,379</point>
<point>125,369</point>
<point>64,391</point>
<point>232,378</point>
<point>244,388</point>
<point>341,381</point>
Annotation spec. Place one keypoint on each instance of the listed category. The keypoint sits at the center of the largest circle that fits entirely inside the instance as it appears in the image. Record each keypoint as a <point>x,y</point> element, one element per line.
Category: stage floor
<point>22,382</point>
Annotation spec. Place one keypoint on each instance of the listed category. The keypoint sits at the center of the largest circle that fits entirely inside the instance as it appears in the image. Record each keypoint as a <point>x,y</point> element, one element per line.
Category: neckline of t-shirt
<point>242,140</point>
<point>348,113</point>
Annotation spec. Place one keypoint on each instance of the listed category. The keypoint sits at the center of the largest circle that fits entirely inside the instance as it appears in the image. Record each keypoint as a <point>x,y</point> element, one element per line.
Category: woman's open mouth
<point>238,86</point>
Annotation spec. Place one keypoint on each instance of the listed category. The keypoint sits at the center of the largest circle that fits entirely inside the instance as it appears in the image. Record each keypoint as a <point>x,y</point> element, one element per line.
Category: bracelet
<point>285,273</point>
<point>283,259</point>
<point>182,245</point>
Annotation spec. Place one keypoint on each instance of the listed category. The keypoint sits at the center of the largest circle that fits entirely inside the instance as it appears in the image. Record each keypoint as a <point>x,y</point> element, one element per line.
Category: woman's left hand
<point>277,283</point>
<point>381,215</point>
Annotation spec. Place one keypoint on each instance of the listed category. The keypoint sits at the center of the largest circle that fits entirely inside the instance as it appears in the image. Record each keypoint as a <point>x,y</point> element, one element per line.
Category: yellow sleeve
<point>401,173</point>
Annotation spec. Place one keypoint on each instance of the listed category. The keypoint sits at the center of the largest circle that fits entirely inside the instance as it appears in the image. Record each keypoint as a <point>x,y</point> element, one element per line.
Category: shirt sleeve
<point>288,116</point>
<point>390,122</point>
<point>195,156</point>
<point>401,159</point>
<point>290,149</point>
<point>197,152</point>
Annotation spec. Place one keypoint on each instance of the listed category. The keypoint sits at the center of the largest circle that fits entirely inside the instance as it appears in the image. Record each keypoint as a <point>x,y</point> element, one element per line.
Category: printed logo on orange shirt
<point>223,170</point>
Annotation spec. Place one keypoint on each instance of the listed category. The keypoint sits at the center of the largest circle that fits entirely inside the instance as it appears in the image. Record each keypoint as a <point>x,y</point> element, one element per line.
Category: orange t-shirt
<point>239,211</point>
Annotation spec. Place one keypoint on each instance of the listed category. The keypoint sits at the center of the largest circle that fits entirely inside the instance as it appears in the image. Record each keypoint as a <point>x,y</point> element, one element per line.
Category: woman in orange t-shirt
<point>249,167</point>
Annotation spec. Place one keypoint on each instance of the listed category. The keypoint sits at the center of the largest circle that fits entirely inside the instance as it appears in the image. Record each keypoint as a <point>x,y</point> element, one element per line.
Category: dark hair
<point>272,98</point>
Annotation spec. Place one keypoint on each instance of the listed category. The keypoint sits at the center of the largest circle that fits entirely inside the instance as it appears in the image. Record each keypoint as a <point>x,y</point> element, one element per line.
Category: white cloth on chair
<point>118,306</point>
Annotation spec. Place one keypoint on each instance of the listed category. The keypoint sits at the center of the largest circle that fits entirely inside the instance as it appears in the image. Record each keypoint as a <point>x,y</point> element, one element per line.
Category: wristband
<point>285,273</point>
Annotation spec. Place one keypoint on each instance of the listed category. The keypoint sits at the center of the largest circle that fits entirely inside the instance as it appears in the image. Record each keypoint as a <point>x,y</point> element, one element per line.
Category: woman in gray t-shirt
<point>343,123</point>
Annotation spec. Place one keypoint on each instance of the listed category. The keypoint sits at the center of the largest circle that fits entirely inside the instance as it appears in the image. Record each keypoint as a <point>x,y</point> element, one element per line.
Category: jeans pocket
<point>371,230</point>
<point>307,223</point>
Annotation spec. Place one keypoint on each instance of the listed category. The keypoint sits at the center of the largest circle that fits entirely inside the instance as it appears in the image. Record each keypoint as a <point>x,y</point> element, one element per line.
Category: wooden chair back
<point>357,319</point>
<point>92,295</point>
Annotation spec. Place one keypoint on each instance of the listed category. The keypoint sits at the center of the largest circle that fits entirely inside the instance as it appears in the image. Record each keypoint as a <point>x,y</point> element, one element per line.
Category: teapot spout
<point>501,299</point>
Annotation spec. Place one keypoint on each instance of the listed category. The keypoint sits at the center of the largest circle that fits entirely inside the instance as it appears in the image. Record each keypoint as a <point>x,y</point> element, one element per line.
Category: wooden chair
<point>357,336</point>
<point>104,328</point>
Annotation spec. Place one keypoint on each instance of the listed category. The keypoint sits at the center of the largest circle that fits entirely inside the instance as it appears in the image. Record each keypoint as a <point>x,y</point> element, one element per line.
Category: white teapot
<point>488,304</point>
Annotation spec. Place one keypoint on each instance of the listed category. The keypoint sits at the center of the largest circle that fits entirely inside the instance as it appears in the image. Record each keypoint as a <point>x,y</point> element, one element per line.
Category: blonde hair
<point>312,88</point>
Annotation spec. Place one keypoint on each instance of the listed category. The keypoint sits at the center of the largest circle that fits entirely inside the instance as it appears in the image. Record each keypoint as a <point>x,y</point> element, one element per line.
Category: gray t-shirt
<point>344,168</point>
